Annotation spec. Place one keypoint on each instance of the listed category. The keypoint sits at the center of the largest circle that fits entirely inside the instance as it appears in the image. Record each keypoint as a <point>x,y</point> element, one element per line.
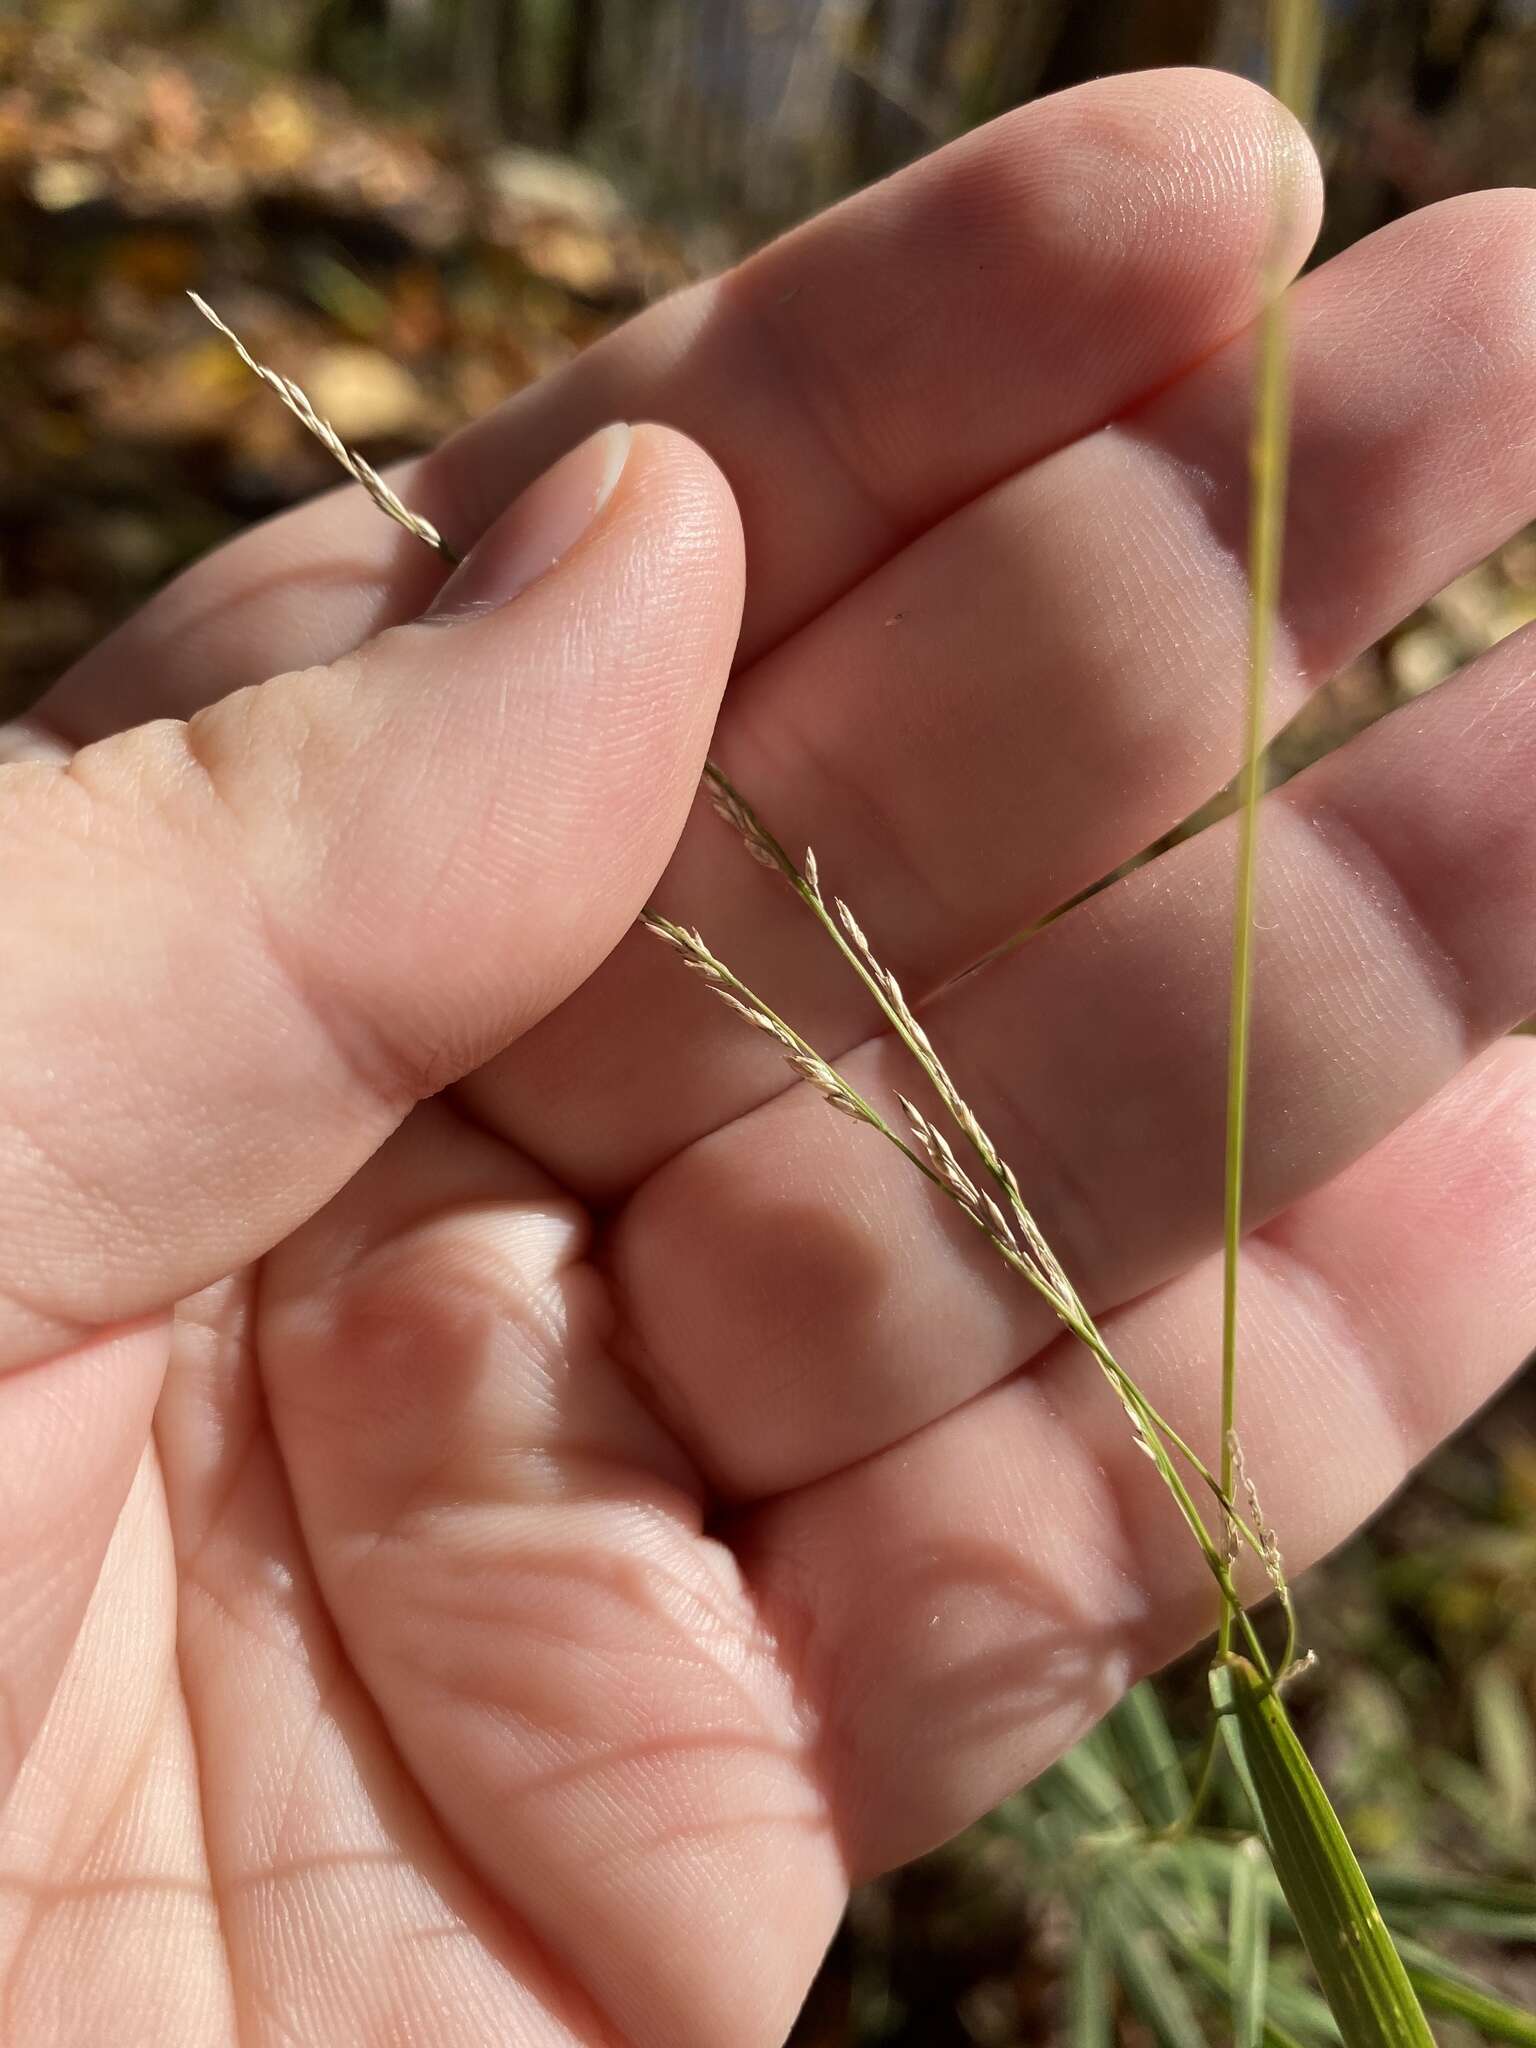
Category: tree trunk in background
<point>340,26</point>
<point>771,107</point>
<point>1387,85</point>
<point>1446,41</point>
<point>581,69</point>
<point>1099,36</point>
<point>489,41</point>
<point>868,123</point>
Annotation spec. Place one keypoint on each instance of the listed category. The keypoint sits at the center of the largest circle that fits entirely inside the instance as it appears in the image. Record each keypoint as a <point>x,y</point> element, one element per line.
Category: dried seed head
<point>729,806</point>
<point>292,396</point>
<point>913,1114</point>
<point>1269,1542</point>
<point>753,1016</point>
<point>1297,1668</point>
<point>852,927</point>
<point>846,1106</point>
<point>829,1085</point>
<point>803,1060</point>
<point>670,934</point>
<point>998,1223</point>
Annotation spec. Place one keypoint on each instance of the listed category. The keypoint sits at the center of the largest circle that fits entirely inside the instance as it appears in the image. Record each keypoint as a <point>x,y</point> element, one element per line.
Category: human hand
<point>496,1567</point>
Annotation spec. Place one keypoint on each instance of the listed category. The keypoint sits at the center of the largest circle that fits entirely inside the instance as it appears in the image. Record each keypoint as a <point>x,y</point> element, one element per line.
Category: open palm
<point>493,1568</point>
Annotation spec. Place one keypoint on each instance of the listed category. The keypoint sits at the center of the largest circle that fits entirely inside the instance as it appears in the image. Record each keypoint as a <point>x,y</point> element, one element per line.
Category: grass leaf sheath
<point>1363,1977</point>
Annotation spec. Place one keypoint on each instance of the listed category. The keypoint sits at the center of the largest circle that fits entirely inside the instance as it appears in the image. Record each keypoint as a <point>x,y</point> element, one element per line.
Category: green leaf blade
<point>1248,1944</point>
<point>1493,1908</point>
<point>1090,2018</point>
<point>1154,1772</point>
<point>1297,2017</point>
<point>1361,1974</point>
<point>1446,1987</point>
<point>1153,1987</point>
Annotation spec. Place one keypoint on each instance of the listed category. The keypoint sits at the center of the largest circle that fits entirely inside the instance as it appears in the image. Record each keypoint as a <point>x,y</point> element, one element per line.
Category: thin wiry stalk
<point>1293,43</point>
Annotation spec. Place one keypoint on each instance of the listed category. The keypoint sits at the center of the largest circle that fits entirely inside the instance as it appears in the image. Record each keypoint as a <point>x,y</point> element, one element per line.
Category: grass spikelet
<point>801,1058</point>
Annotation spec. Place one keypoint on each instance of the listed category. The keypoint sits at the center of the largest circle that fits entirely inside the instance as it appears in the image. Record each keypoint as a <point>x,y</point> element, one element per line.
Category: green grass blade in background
<point>1505,1737</point>
<point>1361,1974</point>
<point>1293,2012</point>
<point>1154,1774</point>
<point>1446,1988</point>
<point>1295,2015</point>
<point>1087,1775</point>
<point>1495,1908</point>
<point>1090,2020</point>
<point>1248,1943</point>
<point>1492,1908</point>
<point>1154,1987</point>
<point>1153,1770</point>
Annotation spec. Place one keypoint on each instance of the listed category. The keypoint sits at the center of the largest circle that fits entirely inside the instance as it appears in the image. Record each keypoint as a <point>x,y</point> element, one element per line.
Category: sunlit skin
<point>496,1568</point>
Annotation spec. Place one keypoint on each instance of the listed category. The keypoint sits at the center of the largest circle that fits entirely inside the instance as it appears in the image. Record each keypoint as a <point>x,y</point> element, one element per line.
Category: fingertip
<point>1268,146</point>
<point>674,479</point>
<point>1261,180</point>
<point>1287,170</point>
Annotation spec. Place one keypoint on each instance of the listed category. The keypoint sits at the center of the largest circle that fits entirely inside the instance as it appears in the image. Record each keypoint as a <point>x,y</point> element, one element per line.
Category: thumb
<point>252,940</point>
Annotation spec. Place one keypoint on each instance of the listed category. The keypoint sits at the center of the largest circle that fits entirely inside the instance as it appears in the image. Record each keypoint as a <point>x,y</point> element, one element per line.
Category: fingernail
<point>533,534</point>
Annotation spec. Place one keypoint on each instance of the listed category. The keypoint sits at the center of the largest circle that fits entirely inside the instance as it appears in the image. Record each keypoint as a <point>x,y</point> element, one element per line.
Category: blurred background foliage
<point>416,206</point>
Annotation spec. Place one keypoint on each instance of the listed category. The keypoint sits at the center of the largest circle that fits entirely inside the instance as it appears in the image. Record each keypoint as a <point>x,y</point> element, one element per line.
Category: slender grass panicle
<point>1003,1217</point>
<point>294,398</point>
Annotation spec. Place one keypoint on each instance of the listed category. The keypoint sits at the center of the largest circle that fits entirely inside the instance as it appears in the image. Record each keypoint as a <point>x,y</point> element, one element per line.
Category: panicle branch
<point>388,500</point>
<point>1007,1223</point>
<point>801,1057</point>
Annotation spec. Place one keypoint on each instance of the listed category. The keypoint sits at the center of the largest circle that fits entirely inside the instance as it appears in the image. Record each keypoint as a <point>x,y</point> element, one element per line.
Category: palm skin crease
<point>510,1508</point>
